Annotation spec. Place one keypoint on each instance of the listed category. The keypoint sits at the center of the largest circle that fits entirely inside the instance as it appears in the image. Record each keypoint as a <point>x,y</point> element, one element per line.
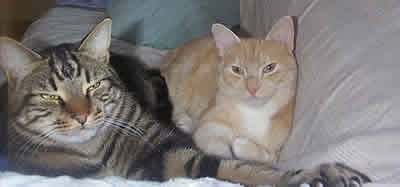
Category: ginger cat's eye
<point>93,87</point>
<point>269,68</point>
<point>51,97</point>
<point>238,70</point>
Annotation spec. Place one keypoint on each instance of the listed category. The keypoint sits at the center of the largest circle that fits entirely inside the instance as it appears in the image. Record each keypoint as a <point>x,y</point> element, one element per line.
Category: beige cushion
<point>348,103</point>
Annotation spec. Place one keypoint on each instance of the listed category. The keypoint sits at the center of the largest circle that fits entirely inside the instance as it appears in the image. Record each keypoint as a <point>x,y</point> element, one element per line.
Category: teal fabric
<point>3,163</point>
<point>164,24</point>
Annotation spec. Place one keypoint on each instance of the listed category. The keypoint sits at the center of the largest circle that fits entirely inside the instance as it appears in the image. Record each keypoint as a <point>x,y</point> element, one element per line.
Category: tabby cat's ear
<point>97,42</point>
<point>224,38</point>
<point>16,61</point>
<point>283,31</point>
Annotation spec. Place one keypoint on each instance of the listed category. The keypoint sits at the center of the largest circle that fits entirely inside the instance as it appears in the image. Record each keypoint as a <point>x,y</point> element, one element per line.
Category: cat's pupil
<point>269,68</point>
<point>237,70</point>
<point>50,97</point>
<point>91,88</point>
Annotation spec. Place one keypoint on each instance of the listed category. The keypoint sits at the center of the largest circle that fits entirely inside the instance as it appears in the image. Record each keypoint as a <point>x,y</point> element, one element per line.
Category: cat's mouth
<point>256,101</point>
<point>78,134</point>
<point>259,101</point>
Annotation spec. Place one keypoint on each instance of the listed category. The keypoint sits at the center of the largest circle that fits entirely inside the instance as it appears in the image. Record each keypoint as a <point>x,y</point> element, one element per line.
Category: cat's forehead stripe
<point>64,63</point>
<point>79,67</point>
<point>53,69</point>
<point>53,84</point>
<point>87,75</point>
<point>68,65</point>
<point>258,51</point>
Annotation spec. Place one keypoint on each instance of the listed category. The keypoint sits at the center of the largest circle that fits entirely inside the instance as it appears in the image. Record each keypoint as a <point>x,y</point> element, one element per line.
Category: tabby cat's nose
<point>81,118</point>
<point>79,109</point>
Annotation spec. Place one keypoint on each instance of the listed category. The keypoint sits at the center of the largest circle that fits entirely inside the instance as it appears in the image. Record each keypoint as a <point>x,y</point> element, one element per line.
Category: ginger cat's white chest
<point>254,122</point>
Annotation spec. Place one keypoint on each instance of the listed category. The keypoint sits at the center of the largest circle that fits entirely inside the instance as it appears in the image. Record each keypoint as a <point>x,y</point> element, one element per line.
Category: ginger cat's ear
<point>224,38</point>
<point>283,31</point>
<point>16,61</point>
<point>97,42</point>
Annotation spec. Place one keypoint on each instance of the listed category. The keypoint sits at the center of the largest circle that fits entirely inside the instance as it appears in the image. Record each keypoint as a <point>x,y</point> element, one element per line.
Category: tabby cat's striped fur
<point>72,113</point>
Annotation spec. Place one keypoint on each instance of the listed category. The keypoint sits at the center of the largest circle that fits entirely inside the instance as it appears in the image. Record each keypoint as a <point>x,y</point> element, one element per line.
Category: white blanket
<point>9,179</point>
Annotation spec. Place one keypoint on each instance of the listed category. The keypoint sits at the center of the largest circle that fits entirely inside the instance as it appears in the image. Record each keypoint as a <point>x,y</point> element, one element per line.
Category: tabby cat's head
<point>64,92</point>
<point>256,69</point>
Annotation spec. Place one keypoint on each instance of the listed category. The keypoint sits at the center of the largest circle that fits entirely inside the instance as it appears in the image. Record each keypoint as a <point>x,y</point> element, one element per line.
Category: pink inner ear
<point>224,38</point>
<point>283,31</point>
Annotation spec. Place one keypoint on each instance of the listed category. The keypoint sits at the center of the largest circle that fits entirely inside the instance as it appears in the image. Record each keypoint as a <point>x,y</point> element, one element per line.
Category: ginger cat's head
<point>255,70</point>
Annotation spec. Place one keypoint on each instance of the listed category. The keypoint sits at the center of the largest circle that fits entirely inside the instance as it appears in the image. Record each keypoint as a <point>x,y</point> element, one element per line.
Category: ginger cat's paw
<point>220,149</point>
<point>326,175</point>
<point>214,139</point>
<point>245,149</point>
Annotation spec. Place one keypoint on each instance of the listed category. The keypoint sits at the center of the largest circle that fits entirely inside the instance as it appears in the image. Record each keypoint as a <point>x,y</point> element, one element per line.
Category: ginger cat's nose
<point>252,85</point>
<point>252,91</point>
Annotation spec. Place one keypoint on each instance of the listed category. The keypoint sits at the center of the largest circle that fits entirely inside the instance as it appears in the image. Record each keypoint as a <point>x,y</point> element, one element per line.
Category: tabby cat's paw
<point>326,175</point>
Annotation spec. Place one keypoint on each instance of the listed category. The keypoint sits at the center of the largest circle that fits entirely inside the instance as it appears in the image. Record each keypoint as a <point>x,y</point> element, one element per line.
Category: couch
<point>348,97</point>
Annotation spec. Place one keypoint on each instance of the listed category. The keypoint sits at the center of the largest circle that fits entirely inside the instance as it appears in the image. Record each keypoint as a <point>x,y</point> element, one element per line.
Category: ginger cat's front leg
<point>245,149</point>
<point>214,138</point>
<point>217,138</point>
<point>183,121</point>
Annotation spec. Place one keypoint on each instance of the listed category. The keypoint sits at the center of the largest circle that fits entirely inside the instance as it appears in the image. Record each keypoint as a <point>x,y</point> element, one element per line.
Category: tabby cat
<point>71,113</point>
<point>235,95</point>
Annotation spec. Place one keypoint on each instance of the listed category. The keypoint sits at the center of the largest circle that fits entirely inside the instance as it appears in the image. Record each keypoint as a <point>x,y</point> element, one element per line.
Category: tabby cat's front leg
<point>189,162</point>
<point>325,175</point>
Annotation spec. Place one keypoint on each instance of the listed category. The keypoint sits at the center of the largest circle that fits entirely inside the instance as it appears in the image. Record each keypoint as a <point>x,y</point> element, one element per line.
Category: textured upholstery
<point>348,99</point>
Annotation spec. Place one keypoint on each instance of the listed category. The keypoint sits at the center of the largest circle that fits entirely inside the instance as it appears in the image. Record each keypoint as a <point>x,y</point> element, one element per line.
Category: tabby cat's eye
<point>238,70</point>
<point>51,97</point>
<point>94,86</point>
<point>269,68</point>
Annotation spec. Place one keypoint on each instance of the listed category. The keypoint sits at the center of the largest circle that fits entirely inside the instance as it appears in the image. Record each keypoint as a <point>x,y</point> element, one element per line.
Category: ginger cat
<point>235,95</point>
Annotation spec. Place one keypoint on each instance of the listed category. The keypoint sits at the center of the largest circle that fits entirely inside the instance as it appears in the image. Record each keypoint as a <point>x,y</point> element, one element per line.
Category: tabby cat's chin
<point>77,135</point>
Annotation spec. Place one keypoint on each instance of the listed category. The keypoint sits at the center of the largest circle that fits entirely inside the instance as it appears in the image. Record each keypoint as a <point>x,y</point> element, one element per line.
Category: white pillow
<point>71,24</point>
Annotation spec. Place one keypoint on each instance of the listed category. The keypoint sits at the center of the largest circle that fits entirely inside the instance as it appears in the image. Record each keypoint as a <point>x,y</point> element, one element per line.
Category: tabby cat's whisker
<point>126,125</point>
<point>125,122</point>
<point>122,131</point>
<point>43,140</point>
<point>29,144</point>
<point>119,129</point>
<point>123,127</point>
<point>131,124</point>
